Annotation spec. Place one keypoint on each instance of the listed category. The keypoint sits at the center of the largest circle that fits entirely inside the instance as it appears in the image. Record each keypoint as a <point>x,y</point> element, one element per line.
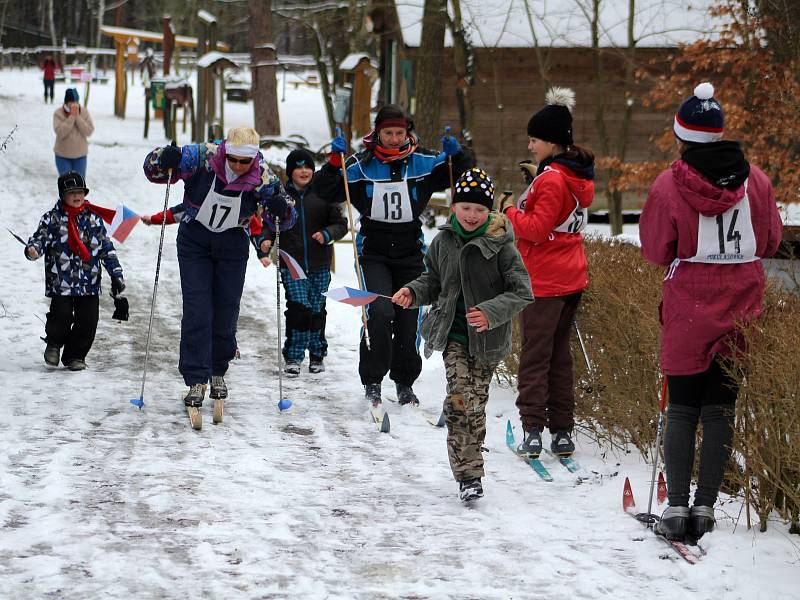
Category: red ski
<point>629,506</point>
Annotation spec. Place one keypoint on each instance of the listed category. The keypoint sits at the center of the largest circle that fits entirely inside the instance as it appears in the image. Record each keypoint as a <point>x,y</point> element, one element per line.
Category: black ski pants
<point>72,324</point>
<point>393,331</point>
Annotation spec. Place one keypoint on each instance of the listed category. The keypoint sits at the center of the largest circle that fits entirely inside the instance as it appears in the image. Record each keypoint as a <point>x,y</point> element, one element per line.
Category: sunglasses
<point>241,161</point>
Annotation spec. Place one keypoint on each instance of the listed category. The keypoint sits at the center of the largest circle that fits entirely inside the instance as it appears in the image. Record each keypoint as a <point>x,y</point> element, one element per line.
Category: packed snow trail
<point>101,500</point>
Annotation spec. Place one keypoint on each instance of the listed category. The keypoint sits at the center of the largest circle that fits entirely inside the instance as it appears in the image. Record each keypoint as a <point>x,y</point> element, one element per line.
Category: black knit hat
<point>298,158</point>
<point>476,186</point>
<point>554,122</point>
<point>71,95</point>
<point>71,181</point>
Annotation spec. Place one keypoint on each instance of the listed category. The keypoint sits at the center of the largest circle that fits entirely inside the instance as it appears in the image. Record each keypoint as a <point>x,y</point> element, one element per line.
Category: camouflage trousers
<point>465,410</point>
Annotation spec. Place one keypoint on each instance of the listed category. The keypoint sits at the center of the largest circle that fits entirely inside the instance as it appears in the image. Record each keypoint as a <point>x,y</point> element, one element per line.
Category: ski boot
<point>316,365</point>
<point>219,391</point>
<point>193,401</point>
<point>405,395</point>
<point>51,355</point>
<point>469,490</point>
<point>291,368</point>
<point>372,393</point>
<point>531,446</point>
<point>673,523</point>
<point>562,444</point>
<point>701,521</point>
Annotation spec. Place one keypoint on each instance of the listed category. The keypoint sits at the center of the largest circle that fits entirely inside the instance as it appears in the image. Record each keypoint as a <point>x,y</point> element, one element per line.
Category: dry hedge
<point>617,402</point>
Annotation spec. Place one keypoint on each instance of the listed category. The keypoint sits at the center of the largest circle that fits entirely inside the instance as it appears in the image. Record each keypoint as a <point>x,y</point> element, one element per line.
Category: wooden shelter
<point>360,72</point>
<point>126,43</point>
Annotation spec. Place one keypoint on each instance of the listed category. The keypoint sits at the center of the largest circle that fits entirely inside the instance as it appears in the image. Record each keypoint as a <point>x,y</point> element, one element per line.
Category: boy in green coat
<point>476,282</point>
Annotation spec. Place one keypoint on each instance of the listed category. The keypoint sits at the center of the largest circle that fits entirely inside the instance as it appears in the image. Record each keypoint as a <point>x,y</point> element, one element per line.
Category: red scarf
<point>386,155</point>
<point>74,237</point>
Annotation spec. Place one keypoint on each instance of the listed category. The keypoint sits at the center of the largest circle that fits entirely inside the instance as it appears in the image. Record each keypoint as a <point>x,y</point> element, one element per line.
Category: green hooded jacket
<point>493,278</point>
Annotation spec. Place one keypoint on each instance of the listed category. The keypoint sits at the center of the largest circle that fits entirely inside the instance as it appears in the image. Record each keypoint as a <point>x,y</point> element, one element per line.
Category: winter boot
<point>291,368</point>
<point>51,355</point>
<point>405,395</point>
<point>316,365</point>
<point>76,365</point>
<point>372,393</point>
<point>562,444</point>
<point>531,446</point>
<point>470,490</point>
<point>219,391</point>
<point>196,395</point>
<point>673,523</point>
<point>701,521</point>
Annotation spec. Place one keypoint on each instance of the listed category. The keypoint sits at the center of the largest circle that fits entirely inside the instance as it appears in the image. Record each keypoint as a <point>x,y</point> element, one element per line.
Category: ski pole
<point>662,405</point>
<point>353,238</point>
<point>283,404</point>
<point>583,348</point>
<point>449,164</point>
<point>140,400</point>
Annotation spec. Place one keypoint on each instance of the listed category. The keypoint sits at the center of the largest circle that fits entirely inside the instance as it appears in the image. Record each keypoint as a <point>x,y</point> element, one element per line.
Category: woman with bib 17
<point>224,185</point>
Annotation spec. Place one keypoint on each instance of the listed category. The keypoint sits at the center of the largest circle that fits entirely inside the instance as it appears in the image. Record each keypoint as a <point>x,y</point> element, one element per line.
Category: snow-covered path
<point>101,500</point>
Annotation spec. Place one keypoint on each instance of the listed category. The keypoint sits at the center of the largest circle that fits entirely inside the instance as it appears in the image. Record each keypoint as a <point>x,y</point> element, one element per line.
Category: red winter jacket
<point>555,261</point>
<point>49,68</point>
<point>702,302</point>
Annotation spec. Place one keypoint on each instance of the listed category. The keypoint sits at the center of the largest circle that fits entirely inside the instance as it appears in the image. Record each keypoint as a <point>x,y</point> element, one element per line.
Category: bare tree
<point>51,21</point>
<point>263,61</point>
<point>428,84</point>
<point>464,62</point>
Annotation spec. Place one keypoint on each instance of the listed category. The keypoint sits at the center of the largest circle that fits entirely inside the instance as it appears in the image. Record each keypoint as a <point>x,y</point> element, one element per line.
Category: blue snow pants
<point>212,267</point>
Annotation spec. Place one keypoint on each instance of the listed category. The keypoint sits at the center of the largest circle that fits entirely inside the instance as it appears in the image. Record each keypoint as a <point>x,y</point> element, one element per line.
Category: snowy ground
<point>100,500</point>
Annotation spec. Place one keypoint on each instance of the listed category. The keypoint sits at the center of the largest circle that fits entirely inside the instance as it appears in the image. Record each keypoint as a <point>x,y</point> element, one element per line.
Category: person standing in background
<point>49,66</point>
<point>73,126</point>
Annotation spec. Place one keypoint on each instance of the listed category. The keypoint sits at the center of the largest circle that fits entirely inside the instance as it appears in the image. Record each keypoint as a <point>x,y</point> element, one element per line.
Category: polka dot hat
<point>476,186</point>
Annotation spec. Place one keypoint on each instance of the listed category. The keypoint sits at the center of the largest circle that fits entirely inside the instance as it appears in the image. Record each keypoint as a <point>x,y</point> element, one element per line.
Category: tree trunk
<point>324,82</point>
<point>263,65</point>
<point>52,23</point>
<point>101,11</point>
<point>428,81</point>
<point>463,59</point>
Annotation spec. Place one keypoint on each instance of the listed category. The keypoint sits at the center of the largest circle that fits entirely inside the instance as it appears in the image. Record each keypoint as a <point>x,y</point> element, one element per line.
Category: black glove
<point>170,157</point>
<point>117,286</point>
<point>276,205</point>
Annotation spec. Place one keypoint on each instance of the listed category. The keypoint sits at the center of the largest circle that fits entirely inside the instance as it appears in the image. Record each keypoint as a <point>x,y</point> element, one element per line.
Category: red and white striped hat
<point>700,118</point>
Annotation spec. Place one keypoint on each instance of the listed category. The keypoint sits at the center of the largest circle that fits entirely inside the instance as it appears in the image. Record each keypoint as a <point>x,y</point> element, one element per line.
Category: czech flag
<point>123,223</point>
<point>351,296</point>
<point>295,270</point>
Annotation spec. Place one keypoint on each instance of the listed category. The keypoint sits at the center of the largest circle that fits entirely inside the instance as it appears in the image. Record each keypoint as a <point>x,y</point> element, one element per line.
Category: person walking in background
<point>476,281</point>
<point>310,243</point>
<point>73,240</point>
<point>548,221</point>
<point>390,184</point>
<point>73,126</point>
<point>223,186</point>
<point>48,67</point>
<point>711,217</point>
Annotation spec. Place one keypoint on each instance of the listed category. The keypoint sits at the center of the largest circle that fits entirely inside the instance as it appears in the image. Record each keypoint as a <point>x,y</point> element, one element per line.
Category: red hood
<point>702,195</point>
<point>582,188</point>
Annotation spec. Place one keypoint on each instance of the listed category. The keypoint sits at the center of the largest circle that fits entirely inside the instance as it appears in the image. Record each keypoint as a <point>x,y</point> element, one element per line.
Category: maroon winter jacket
<point>703,301</point>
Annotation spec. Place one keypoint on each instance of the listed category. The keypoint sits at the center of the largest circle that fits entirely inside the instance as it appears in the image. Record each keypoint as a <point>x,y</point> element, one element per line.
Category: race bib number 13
<point>391,202</point>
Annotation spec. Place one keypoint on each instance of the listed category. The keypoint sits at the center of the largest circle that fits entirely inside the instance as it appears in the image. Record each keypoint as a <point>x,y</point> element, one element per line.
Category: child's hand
<point>265,261</point>
<point>146,220</point>
<point>318,237</point>
<point>477,319</point>
<point>404,297</point>
<point>31,252</point>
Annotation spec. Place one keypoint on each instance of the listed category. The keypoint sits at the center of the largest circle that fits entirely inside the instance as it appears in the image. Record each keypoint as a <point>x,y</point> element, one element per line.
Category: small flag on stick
<point>123,223</point>
<point>295,270</point>
<point>353,297</point>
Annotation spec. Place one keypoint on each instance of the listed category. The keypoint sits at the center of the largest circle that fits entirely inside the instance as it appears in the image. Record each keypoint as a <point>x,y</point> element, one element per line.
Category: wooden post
<point>119,79</point>
<point>198,134</point>
<point>211,87</point>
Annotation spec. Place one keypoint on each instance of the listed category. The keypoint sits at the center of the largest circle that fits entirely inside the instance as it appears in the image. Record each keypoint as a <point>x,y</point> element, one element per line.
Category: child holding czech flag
<point>73,240</point>
<point>476,281</point>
